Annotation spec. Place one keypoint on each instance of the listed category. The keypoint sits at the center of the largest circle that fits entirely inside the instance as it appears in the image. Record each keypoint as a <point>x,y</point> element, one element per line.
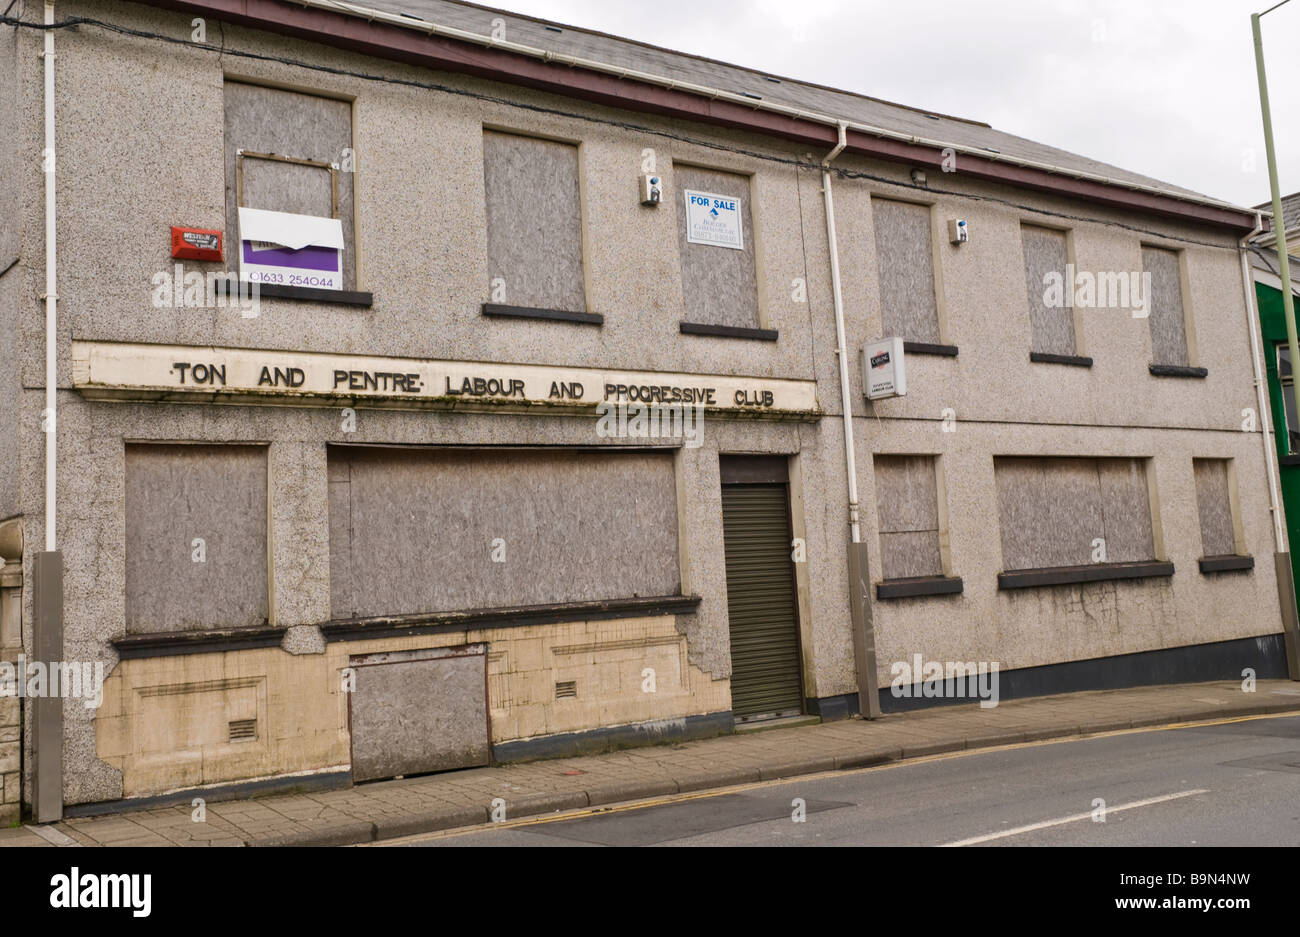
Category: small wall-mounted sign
<point>196,244</point>
<point>714,220</point>
<point>883,371</point>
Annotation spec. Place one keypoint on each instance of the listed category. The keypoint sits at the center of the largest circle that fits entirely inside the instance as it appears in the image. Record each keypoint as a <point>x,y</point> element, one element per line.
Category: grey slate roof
<point>1290,215</point>
<point>626,53</point>
<point>1265,259</point>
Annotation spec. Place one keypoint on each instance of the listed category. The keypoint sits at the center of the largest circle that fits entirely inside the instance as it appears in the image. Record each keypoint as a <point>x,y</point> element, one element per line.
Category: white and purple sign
<point>292,250</point>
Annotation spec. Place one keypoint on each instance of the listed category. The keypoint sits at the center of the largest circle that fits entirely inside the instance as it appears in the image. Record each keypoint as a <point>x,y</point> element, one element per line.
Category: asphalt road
<point>1233,784</point>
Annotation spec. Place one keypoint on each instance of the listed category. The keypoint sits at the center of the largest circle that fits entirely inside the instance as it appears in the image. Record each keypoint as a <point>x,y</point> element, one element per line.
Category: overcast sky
<point>1166,88</point>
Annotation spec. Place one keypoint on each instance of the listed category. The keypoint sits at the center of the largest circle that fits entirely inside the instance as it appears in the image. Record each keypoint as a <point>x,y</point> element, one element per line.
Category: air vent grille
<point>566,689</point>
<point>243,730</point>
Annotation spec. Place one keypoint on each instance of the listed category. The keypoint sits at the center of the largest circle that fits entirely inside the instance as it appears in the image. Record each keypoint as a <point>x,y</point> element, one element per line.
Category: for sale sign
<point>714,220</point>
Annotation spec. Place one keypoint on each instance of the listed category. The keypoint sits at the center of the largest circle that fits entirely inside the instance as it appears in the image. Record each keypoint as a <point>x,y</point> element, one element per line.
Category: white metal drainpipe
<point>1281,557</point>
<point>47,568</point>
<point>863,634</point>
<point>51,291</point>
<point>1248,283</point>
<point>854,527</point>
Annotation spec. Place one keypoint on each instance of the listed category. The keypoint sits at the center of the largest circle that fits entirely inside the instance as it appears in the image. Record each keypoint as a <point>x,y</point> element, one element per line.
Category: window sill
<point>1226,564</point>
<point>928,348</point>
<point>1093,572</point>
<point>1042,357</point>
<point>1176,370</point>
<point>172,644</point>
<point>311,294</point>
<point>918,586</point>
<point>728,331</point>
<point>527,312</point>
<point>358,629</point>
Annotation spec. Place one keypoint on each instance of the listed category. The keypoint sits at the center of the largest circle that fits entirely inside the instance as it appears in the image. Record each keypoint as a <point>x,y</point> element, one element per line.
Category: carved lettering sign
<point>109,370</point>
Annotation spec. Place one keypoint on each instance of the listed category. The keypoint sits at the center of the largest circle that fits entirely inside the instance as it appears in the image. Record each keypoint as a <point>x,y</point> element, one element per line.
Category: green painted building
<point>1286,425</point>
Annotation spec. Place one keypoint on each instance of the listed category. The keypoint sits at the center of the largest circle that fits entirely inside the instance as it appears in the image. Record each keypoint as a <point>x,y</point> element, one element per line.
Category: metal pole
<point>1279,225</point>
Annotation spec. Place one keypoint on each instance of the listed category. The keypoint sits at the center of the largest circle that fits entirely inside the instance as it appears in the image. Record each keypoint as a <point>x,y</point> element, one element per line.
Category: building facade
<point>507,456</point>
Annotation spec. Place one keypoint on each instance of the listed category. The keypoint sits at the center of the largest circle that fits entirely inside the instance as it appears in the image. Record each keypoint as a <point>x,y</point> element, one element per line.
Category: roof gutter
<point>462,35</point>
<point>388,35</point>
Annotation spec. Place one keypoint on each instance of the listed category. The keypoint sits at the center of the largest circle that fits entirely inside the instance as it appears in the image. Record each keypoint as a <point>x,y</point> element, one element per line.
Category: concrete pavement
<point>388,809</point>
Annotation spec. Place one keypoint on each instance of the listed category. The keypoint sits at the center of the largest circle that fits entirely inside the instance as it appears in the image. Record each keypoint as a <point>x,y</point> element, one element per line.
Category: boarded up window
<point>288,124</point>
<point>1073,512</point>
<point>288,187</point>
<point>719,284</point>
<point>1051,326</point>
<point>905,258</point>
<point>534,221</point>
<point>1214,505</point>
<point>416,530</point>
<point>1168,324</point>
<point>908,506</point>
<point>195,538</point>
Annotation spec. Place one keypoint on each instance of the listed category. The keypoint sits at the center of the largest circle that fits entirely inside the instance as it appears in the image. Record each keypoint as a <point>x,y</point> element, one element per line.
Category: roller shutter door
<point>765,678</point>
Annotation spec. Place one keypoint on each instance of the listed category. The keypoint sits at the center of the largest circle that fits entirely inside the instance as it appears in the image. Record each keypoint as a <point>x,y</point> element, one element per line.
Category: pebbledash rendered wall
<point>141,149</point>
<point>422,251</point>
<point>991,400</point>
